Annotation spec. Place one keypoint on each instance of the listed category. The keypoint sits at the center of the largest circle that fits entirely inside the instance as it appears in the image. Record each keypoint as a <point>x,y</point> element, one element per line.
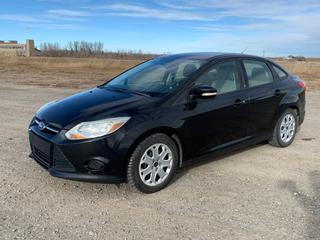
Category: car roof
<point>209,55</point>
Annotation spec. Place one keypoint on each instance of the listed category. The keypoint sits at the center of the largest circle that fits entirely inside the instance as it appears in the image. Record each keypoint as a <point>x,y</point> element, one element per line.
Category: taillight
<point>302,84</point>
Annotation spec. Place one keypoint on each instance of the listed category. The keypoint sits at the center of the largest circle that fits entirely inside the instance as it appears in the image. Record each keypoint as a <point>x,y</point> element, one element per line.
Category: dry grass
<point>88,72</point>
<point>309,71</point>
<point>61,72</point>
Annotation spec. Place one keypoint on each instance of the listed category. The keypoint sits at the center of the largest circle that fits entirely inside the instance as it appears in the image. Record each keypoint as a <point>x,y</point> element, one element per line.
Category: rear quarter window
<point>281,73</point>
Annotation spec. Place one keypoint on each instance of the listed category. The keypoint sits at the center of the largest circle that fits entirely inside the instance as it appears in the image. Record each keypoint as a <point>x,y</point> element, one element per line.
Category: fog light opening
<point>95,165</point>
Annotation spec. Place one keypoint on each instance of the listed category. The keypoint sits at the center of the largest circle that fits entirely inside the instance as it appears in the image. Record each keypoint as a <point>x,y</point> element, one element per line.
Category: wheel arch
<point>282,109</point>
<point>290,101</point>
<point>170,132</point>
<point>296,108</point>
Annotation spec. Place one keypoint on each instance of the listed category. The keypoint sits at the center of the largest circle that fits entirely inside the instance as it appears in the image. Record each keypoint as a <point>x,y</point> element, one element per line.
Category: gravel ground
<point>261,192</point>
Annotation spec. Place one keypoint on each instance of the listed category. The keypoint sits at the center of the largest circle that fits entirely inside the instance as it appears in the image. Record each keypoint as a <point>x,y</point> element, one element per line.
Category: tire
<point>154,153</point>
<point>284,133</point>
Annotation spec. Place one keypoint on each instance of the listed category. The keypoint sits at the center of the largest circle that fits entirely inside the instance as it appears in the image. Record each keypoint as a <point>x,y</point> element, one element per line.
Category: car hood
<point>94,104</point>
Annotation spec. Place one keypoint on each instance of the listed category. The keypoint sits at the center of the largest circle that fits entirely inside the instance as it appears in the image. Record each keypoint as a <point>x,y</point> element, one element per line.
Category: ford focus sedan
<point>159,116</point>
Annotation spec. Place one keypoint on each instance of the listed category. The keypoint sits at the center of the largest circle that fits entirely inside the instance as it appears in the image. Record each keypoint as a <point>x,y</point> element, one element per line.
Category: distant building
<point>13,48</point>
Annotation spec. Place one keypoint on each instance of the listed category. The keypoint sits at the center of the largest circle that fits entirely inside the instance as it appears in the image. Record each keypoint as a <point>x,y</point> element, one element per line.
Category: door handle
<point>239,102</point>
<point>279,92</point>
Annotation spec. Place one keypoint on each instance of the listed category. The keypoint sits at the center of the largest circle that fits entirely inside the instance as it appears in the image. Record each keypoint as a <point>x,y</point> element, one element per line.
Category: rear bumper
<point>302,106</point>
<point>301,116</point>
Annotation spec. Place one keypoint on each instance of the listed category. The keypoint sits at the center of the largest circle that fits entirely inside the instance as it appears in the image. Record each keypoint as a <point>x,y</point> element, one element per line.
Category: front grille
<point>40,149</point>
<point>42,158</point>
<point>49,128</point>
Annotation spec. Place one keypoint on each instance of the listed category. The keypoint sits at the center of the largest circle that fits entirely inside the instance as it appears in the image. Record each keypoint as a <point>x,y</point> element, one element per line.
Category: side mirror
<point>203,92</point>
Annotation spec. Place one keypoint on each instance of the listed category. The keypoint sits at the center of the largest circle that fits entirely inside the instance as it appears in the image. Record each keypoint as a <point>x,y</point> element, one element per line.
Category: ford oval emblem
<point>41,126</point>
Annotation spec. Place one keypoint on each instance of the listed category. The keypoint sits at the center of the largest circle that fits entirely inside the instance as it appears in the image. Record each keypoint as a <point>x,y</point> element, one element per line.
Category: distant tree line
<point>297,58</point>
<point>89,49</point>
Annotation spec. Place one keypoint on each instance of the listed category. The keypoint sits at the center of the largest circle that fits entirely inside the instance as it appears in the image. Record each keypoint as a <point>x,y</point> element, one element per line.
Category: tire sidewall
<point>134,162</point>
<point>278,134</point>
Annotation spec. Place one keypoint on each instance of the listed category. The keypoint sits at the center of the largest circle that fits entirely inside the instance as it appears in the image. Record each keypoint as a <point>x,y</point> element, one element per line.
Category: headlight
<point>87,130</point>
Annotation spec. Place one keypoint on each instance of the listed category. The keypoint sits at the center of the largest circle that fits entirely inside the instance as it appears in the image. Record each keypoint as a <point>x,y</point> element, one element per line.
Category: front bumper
<point>72,159</point>
<point>83,177</point>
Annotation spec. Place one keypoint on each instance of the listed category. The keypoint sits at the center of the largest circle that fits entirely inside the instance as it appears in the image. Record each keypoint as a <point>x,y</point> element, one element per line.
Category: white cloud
<point>131,10</point>
<point>50,19</point>
<point>68,13</point>
<point>277,28</point>
<point>59,26</point>
<point>175,6</point>
<point>41,21</point>
<point>54,1</point>
<point>22,18</point>
<point>250,8</point>
<point>271,43</point>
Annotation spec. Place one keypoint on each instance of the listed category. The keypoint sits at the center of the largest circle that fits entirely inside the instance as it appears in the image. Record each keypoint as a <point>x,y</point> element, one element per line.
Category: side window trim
<point>246,80</point>
<point>241,74</point>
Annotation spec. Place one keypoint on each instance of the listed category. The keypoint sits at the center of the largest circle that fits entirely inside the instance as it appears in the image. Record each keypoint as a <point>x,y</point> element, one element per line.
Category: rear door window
<point>258,72</point>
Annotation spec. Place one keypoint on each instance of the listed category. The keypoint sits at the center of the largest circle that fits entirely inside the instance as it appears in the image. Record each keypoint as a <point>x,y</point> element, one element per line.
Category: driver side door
<point>215,122</point>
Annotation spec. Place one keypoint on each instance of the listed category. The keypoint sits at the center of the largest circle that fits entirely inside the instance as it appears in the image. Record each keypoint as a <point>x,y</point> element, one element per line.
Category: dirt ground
<point>261,192</point>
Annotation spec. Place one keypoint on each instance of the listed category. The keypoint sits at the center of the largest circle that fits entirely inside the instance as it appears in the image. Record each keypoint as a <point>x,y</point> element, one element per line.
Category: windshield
<point>156,77</point>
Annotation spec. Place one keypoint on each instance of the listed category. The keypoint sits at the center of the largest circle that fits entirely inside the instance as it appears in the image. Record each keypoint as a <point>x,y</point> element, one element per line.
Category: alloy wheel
<point>155,164</point>
<point>287,128</point>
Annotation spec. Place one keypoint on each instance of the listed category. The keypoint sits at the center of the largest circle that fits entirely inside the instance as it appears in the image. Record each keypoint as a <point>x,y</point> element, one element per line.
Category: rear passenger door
<point>263,94</point>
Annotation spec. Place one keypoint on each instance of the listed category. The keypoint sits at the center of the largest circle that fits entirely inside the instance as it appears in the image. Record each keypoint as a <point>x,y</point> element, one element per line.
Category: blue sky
<point>275,28</point>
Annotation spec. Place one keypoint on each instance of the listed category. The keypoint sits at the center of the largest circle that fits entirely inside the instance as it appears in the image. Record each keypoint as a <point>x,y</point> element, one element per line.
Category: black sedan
<point>144,124</point>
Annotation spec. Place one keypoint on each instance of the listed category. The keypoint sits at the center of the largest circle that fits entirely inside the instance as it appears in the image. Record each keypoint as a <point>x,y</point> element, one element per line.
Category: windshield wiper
<point>124,90</point>
<point>140,93</point>
<point>117,89</point>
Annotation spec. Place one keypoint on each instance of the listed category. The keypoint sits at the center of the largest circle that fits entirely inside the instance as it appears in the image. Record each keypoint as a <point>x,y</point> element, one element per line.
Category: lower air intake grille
<point>41,157</point>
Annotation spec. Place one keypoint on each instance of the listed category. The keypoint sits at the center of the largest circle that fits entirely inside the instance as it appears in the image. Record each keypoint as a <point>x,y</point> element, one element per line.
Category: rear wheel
<point>285,129</point>
<point>153,163</point>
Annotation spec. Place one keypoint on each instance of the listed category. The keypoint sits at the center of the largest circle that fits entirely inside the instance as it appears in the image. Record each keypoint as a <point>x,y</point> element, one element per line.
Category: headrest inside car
<point>188,69</point>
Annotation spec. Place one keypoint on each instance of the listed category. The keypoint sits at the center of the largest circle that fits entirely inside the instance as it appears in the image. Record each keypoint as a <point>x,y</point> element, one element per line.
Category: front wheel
<point>285,129</point>
<point>153,163</point>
